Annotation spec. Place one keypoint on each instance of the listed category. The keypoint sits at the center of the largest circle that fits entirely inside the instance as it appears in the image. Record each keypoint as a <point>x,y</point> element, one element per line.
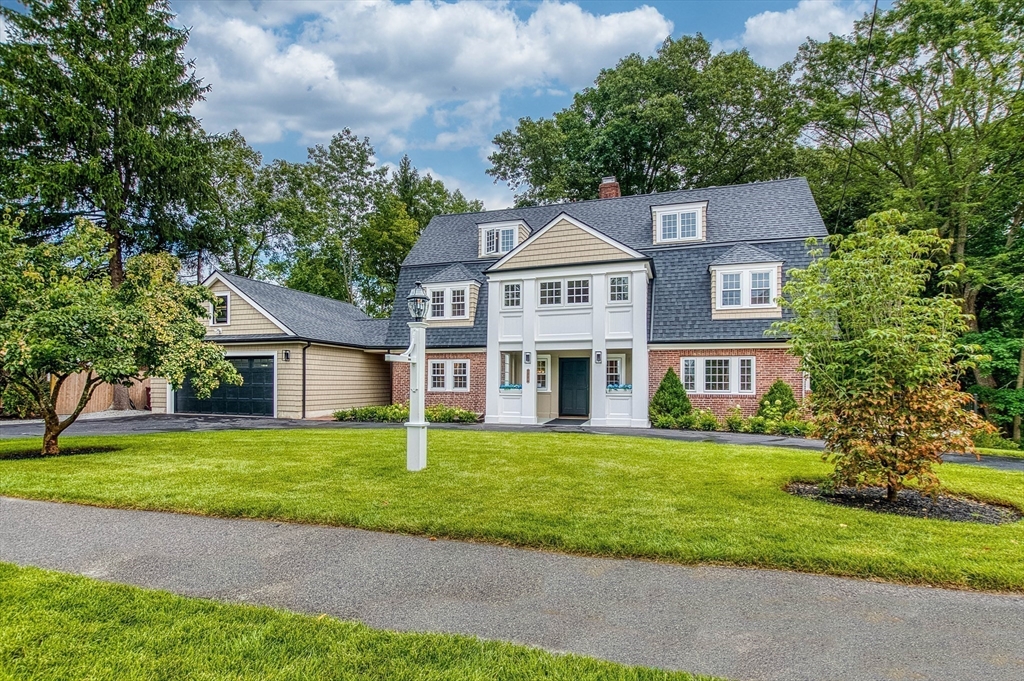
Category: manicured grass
<point>620,496</point>
<point>1008,453</point>
<point>57,626</point>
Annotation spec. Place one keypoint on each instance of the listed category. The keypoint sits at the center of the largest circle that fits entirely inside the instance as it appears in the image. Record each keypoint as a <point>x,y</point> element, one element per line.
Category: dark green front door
<point>255,397</point>
<point>573,386</point>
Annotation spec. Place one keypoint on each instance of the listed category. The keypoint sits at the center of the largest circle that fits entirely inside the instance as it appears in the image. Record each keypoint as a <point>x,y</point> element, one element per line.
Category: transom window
<point>681,222</point>
<point>449,375</point>
<point>577,291</point>
<point>741,288</point>
<point>735,375</point>
<point>449,303</point>
<point>550,293</point>
<point>219,311</point>
<point>618,289</point>
<point>513,295</point>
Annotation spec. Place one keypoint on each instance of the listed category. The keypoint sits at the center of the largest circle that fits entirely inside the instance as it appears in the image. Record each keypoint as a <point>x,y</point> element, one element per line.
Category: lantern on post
<point>416,428</point>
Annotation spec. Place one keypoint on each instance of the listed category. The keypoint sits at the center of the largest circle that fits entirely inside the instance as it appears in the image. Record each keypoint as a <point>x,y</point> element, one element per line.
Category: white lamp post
<point>416,428</point>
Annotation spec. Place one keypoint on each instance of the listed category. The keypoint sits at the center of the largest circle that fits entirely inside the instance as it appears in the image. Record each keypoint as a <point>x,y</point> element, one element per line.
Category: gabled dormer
<point>680,222</point>
<point>498,238</point>
<point>452,297</point>
<point>746,283</point>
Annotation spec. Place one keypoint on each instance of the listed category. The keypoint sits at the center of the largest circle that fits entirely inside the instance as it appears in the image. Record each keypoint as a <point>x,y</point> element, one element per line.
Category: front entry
<point>573,386</point>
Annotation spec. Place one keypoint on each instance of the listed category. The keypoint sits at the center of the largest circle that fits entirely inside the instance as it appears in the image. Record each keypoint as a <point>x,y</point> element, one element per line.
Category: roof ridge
<point>292,290</point>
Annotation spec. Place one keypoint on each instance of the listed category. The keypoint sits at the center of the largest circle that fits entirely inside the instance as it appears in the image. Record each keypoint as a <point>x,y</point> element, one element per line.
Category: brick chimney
<point>609,188</point>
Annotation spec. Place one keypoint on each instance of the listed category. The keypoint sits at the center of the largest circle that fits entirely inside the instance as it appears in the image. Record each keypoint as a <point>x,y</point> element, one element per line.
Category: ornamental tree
<point>60,315</point>
<point>883,357</point>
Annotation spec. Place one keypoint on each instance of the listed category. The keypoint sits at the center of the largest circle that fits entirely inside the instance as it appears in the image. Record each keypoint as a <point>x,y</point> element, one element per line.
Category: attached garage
<point>255,397</point>
<point>299,355</point>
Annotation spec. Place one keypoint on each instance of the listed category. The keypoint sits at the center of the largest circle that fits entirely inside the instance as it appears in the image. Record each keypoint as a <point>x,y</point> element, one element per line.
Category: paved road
<point>168,423</point>
<point>739,624</point>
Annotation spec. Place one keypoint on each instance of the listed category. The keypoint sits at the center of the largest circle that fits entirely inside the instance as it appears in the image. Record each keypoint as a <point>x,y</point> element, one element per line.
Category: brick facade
<point>770,364</point>
<point>474,400</point>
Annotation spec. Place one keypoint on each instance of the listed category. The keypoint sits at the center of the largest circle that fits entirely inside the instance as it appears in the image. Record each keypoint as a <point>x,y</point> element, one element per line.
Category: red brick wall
<point>474,400</point>
<point>770,364</point>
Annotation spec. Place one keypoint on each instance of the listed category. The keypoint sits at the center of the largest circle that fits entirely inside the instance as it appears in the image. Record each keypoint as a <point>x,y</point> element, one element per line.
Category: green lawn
<point>57,626</point>
<point>1008,453</point>
<point>620,496</point>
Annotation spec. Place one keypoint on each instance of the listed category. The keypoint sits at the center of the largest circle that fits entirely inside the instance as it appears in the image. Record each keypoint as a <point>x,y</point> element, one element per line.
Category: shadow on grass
<point>65,451</point>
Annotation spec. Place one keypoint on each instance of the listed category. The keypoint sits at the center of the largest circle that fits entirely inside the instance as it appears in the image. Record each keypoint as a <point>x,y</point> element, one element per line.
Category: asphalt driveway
<point>734,623</point>
<point>169,423</point>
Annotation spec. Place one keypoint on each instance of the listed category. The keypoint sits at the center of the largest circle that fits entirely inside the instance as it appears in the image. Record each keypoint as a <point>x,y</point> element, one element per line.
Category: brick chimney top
<point>609,188</point>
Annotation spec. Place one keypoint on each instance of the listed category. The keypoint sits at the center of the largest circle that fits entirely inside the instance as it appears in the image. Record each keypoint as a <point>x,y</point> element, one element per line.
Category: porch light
<point>526,359</point>
<point>597,357</point>
<point>417,299</point>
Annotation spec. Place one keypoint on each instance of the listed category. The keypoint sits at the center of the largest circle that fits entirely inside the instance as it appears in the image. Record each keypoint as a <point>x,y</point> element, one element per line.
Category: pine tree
<point>670,399</point>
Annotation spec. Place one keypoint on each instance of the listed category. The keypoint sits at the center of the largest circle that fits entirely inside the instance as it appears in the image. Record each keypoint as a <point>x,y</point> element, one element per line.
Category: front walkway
<point>169,423</point>
<point>734,623</point>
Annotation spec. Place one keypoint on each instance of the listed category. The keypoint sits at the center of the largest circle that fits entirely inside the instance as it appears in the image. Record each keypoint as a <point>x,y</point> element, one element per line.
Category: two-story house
<point>578,310</point>
<point>567,311</point>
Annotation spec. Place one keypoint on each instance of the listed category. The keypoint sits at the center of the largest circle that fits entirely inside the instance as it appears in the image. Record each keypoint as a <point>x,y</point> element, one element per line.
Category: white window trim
<point>227,300</point>
<point>622,370</point>
<point>449,376</point>
<point>512,307</point>
<point>547,374</point>
<point>658,211</point>
<point>745,272</point>
<point>499,226</point>
<point>447,301</point>
<point>734,375</point>
<point>565,292</point>
<point>629,289</point>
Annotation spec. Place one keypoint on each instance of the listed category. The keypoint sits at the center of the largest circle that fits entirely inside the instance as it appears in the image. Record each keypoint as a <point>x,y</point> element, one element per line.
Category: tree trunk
<point>891,493</point>
<point>50,445</point>
<point>116,258</point>
<point>121,400</point>
<point>1020,386</point>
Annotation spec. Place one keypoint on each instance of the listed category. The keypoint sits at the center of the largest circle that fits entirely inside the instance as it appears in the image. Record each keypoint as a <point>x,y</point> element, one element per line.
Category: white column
<point>416,428</point>
<point>493,404</point>
<point>599,300</point>
<point>529,404</point>
<point>641,362</point>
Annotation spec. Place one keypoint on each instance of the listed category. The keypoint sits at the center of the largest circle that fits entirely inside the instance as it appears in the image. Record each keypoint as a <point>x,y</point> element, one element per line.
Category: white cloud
<point>773,37</point>
<point>312,68</point>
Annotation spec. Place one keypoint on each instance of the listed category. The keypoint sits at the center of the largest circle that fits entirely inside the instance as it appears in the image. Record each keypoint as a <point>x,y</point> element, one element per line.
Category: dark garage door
<point>255,397</point>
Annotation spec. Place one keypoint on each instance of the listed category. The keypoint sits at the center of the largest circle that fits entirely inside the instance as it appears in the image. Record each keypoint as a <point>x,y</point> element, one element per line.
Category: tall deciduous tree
<point>882,356</point>
<point>60,315</point>
<point>95,121</point>
<point>683,118</point>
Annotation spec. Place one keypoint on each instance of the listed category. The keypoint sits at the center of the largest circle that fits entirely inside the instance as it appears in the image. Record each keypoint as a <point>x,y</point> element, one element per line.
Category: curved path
<point>733,623</point>
<point>104,424</point>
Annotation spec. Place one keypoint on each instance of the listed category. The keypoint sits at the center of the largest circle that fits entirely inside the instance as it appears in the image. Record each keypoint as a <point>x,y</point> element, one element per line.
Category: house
<point>564,311</point>
<point>578,310</point>
<point>300,355</point>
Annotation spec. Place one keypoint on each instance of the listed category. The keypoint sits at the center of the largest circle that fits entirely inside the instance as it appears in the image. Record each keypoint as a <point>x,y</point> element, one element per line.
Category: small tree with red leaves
<point>883,357</point>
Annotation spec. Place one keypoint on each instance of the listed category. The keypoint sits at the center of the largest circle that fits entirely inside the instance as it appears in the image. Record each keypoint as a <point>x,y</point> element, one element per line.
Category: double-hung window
<point>680,222</point>
<point>746,288</point>
<point>449,375</point>
<point>615,370</point>
<point>618,289</point>
<point>449,303</point>
<point>577,292</point>
<point>551,293</point>
<point>513,296</point>
<point>725,375</point>
<point>498,240</point>
<point>219,313</point>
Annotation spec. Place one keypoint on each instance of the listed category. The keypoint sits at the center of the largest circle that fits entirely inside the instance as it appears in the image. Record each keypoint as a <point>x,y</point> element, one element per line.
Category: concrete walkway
<point>738,624</point>
<point>169,423</point>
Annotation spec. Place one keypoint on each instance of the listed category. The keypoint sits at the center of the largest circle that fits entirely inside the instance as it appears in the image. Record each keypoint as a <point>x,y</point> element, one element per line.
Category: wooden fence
<point>102,398</point>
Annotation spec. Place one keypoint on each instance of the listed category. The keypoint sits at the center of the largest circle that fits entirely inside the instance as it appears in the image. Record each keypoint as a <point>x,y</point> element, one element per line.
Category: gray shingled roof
<point>444,337</point>
<point>743,254</point>
<point>313,317</point>
<point>780,209</point>
<point>453,273</point>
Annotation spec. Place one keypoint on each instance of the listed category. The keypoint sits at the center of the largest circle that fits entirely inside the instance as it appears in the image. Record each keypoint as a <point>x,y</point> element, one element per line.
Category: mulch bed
<point>37,453</point>
<point>912,503</point>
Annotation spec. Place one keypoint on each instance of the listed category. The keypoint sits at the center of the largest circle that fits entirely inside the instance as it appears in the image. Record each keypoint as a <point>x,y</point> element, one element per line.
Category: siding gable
<point>561,244</point>
<point>243,318</point>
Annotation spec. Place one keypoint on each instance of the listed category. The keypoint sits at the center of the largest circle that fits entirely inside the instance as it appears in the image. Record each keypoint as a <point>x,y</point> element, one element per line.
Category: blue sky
<point>437,80</point>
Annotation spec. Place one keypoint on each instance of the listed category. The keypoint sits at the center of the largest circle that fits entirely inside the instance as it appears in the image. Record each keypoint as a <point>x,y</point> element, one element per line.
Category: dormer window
<point>497,239</point>
<point>752,287</point>
<point>449,302</point>
<point>678,223</point>
<point>219,313</point>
